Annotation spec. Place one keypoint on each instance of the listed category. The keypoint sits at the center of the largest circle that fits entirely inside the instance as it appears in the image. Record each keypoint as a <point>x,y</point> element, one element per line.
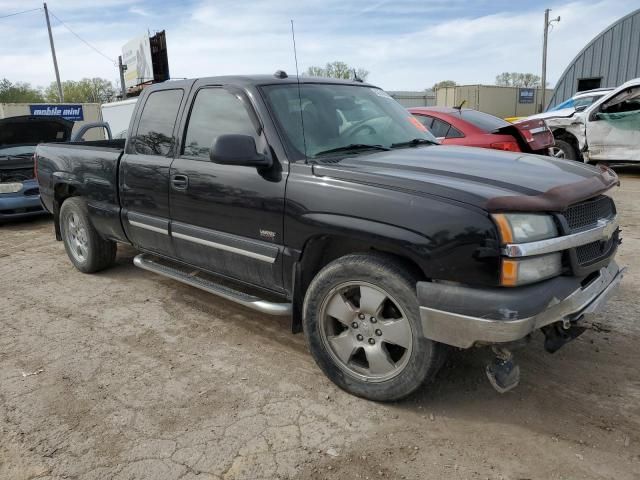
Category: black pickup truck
<point>326,201</point>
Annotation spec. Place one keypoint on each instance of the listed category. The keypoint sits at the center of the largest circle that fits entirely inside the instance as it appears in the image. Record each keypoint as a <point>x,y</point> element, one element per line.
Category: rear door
<point>227,218</point>
<point>144,173</point>
<point>613,127</point>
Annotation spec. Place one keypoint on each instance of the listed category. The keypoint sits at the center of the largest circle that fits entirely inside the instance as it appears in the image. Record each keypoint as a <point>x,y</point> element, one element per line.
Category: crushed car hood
<point>562,113</point>
<point>31,130</point>
<point>489,179</point>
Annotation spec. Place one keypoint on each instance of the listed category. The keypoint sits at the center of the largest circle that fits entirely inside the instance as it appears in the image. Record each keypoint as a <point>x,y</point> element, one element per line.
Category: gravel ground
<point>128,375</point>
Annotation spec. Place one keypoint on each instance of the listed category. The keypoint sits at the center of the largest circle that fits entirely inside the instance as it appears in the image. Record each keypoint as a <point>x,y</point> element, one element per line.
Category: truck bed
<point>90,169</point>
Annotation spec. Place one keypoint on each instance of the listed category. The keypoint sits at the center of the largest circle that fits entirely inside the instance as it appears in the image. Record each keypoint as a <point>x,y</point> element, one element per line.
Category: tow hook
<point>560,333</point>
<point>503,373</point>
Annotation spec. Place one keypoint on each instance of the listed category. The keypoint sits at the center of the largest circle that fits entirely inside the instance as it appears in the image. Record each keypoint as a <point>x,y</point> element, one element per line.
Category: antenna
<point>295,56</point>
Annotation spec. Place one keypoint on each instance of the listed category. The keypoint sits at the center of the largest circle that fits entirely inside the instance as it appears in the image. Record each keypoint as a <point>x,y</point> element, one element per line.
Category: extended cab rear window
<point>484,121</point>
<point>155,130</point>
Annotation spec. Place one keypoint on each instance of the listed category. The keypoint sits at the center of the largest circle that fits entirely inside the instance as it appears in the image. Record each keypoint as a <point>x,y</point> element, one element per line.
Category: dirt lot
<point>133,376</point>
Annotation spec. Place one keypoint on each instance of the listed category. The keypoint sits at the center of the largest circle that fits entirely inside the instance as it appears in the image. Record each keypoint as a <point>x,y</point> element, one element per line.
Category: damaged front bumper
<point>464,316</point>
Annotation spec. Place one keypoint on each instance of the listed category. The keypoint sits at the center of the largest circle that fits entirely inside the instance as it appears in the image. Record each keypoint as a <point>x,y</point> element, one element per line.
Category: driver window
<point>627,101</point>
<point>215,112</point>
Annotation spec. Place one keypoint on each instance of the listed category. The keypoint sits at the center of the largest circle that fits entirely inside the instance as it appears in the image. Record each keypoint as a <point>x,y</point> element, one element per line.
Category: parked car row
<point>328,202</point>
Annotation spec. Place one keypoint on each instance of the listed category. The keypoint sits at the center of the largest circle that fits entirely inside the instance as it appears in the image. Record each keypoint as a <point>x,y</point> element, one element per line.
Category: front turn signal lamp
<point>517,272</point>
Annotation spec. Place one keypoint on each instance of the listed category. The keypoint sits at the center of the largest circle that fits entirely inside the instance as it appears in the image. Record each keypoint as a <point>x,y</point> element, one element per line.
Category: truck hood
<point>31,130</point>
<point>489,179</point>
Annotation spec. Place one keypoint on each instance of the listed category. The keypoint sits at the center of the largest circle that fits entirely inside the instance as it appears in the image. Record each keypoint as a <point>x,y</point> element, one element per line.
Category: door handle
<point>179,182</point>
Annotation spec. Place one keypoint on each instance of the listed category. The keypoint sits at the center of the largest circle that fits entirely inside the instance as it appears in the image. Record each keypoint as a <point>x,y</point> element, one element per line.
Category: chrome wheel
<point>77,238</point>
<point>557,152</point>
<point>365,331</point>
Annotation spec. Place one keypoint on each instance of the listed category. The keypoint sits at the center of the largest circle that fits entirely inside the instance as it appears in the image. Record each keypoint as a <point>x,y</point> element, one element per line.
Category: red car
<point>464,126</point>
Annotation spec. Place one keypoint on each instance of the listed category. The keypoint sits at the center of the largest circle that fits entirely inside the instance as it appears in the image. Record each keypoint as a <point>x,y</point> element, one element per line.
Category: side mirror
<point>581,108</point>
<point>241,150</point>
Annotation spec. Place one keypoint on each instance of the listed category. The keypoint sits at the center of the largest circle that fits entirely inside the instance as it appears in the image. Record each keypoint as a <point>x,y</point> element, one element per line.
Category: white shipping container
<point>118,116</point>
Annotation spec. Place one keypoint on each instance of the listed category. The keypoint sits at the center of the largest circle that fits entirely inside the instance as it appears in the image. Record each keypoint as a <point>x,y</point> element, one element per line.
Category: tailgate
<point>533,134</point>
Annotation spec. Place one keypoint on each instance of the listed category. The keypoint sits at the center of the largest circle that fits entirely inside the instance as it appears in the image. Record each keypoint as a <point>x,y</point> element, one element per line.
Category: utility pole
<point>122,68</point>
<point>53,54</point>
<point>547,23</point>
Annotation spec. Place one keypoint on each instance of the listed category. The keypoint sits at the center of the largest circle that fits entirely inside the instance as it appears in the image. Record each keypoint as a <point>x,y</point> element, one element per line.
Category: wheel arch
<point>571,138</point>
<point>336,241</point>
<point>62,190</point>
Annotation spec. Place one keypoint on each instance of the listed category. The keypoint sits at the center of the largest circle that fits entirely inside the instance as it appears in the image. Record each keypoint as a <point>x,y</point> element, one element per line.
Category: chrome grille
<point>585,215</point>
<point>594,251</point>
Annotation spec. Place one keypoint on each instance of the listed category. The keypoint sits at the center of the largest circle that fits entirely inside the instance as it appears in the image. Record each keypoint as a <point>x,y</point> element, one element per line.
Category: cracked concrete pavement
<point>144,378</point>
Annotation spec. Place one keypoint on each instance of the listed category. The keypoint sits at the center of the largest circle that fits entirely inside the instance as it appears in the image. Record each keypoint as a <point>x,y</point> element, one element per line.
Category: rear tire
<point>563,150</point>
<point>362,325</point>
<point>87,250</point>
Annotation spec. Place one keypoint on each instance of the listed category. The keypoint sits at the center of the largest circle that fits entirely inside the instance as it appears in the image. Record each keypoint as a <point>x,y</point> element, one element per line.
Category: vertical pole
<point>122,86</point>
<point>53,54</point>
<point>544,60</point>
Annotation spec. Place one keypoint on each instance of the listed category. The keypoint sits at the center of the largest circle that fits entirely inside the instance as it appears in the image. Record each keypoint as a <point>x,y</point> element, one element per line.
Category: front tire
<point>87,250</point>
<point>362,324</point>
<point>563,150</point>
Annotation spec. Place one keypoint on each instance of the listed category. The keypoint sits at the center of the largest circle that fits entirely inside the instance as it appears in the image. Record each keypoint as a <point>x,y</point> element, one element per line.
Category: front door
<point>613,127</point>
<point>227,218</point>
<point>144,173</point>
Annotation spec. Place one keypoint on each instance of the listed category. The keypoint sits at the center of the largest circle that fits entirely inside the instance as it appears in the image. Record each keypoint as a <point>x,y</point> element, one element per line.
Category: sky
<point>404,44</point>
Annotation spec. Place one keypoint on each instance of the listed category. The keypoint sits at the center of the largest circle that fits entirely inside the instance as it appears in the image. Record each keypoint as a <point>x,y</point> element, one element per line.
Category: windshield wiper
<point>414,143</point>
<point>354,147</point>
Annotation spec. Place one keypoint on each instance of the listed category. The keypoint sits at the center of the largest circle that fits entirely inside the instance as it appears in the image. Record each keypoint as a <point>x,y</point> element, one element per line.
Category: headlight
<point>10,187</point>
<point>530,270</point>
<point>525,227</point>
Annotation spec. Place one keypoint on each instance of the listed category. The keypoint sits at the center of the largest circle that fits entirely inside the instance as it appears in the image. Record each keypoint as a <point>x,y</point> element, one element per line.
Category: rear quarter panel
<point>88,170</point>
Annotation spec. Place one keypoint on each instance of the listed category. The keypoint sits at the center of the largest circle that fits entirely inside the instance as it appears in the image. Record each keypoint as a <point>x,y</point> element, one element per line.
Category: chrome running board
<point>178,272</point>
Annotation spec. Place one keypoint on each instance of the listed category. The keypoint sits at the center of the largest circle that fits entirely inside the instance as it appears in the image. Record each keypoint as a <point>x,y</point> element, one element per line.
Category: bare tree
<point>337,69</point>
<point>515,79</point>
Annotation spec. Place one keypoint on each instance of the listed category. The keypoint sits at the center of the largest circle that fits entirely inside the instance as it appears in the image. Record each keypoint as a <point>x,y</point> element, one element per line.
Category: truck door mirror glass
<point>235,149</point>
<point>581,108</point>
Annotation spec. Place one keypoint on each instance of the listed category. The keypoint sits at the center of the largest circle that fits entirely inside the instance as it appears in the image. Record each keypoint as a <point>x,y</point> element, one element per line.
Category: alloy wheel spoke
<point>341,310</point>
<point>379,361</point>
<point>398,332</point>
<point>371,300</point>
<point>343,345</point>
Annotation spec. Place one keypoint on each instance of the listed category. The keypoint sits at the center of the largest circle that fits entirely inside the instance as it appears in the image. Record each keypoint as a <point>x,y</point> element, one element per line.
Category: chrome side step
<point>148,262</point>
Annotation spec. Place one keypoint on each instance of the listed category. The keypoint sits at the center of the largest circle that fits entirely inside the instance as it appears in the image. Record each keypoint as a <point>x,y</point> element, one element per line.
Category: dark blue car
<point>19,193</point>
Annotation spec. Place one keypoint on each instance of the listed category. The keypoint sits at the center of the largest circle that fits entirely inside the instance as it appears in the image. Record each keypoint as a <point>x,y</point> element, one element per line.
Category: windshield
<point>483,121</point>
<point>16,150</point>
<point>338,117</point>
<point>577,102</point>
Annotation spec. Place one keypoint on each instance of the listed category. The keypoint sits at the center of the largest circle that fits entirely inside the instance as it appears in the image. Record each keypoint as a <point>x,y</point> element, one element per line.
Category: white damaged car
<point>607,130</point>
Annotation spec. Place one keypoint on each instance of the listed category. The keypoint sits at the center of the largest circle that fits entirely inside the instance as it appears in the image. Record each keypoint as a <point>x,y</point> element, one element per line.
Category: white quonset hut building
<point>609,60</point>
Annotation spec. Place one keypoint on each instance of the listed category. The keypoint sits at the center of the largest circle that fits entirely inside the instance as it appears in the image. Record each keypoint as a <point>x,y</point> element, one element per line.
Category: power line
<point>82,39</point>
<point>19,13</point>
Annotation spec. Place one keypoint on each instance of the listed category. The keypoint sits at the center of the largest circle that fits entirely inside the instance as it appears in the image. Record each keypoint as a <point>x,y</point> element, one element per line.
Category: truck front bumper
<point>464,316</point>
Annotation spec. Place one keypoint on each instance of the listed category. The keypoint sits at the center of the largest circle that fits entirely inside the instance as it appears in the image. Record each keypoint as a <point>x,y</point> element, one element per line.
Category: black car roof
<point>253,80</point>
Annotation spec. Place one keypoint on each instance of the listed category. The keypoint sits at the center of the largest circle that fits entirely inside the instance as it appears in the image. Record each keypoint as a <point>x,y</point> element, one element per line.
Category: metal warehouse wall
<point>414,99</point>
<point>613,56</point>
<point>91,113</point>
<point>499,101</point>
